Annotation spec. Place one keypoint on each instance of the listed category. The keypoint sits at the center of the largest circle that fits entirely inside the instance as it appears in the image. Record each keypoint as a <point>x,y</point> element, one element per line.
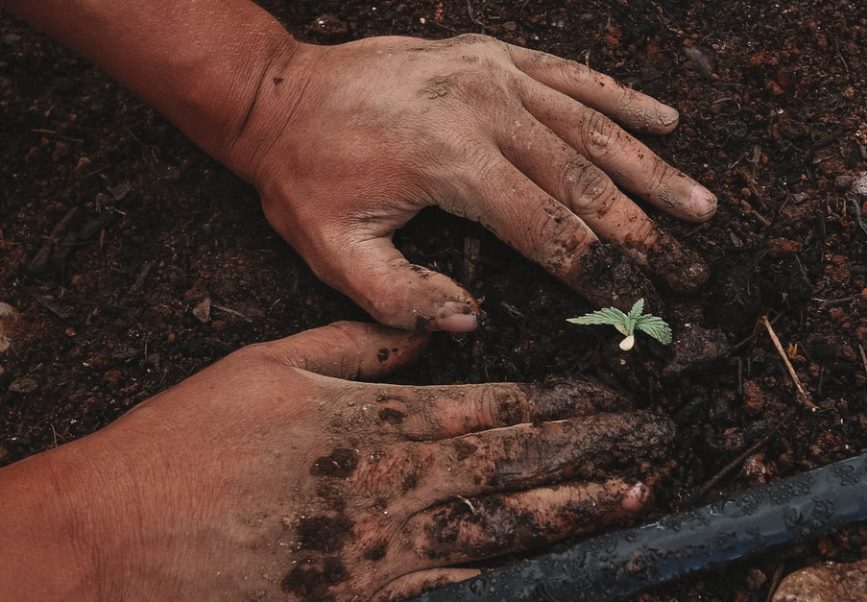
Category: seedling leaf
<point>655,327</point>
<point>637,309</point>
<point>605,316</point>
<point>627,324</point>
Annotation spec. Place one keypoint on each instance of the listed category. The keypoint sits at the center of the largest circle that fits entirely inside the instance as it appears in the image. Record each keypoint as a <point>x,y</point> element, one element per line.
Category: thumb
<point>349,350</point>
<point>394,291</point>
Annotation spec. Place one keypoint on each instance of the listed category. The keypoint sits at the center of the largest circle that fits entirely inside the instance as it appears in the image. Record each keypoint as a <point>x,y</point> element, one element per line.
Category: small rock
<point>82,164</point>
<point>23,384</point>
<point>700,59</point>
<point>859,186</point>
<point>843,183</point>
<point>119,191</point>
<point>757,469</point>
<point>830,582</point>
<point>694,346</point>
<point>329,26</point>
<point>8,316</point>
<point>754,398</point>
<point>779,247</point>
<point>755,579</point>
<point>202,310</point>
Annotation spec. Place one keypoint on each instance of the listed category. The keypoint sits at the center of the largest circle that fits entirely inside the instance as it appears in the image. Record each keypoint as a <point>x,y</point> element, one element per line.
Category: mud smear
<point>607,277</point>
<point>680,268</point>
<point>562,398</point>
<point>586,448</point>
<point>340,464</point>
<point>313,579</point>
<point>324,533</point>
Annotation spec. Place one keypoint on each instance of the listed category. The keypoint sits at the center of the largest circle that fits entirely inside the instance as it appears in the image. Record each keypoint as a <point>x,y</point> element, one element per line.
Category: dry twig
<point>863,357</point>
<point>803,395</point>
<point>744,455</point>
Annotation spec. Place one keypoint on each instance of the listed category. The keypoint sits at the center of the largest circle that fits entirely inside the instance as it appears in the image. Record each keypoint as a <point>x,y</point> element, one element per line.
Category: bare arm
<point>258,480</point>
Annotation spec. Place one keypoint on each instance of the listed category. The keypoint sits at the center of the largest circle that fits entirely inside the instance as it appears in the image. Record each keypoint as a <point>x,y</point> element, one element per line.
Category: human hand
<point>347,143</point>
<point>267,475</point>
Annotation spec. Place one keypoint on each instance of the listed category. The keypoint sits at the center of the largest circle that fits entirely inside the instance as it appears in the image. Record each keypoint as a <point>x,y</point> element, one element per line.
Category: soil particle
<point>681,268</point>
<point>608,278</point>
<point>695,346</point>
<point>340,464</point>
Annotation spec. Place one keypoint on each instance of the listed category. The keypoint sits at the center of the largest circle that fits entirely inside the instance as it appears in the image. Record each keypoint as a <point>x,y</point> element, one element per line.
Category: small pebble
<point>23,384</point>
<point>859,186</point>
<point>202,310</point>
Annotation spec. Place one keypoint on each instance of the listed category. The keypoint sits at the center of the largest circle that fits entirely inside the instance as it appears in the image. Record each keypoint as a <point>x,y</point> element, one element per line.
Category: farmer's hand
<point>267,475</point>
<point>347,143</point>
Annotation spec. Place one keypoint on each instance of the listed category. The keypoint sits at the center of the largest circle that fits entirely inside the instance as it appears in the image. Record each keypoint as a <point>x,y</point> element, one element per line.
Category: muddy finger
<point>523,456</point>
<point>544,230</point>
<point>440,412</point>
<point>583,187</point>
<point>413,584</point>
<point>633,109</point>
<point>467,530</point>
<point>631,164</point>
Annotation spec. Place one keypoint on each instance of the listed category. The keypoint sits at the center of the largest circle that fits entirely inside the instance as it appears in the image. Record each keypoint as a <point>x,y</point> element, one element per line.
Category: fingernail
<point>702,202</point>
<point>457,317</point>
<point>668,116</point>
<point>635,497</point>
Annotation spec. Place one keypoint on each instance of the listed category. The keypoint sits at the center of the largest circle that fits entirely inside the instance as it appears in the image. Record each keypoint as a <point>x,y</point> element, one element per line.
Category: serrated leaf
<point>605,316</point>
<point>655,327</point>
<point>637,309</point>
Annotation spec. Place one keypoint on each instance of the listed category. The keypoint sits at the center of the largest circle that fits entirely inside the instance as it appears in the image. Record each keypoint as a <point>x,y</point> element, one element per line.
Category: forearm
<point>41,547</point>
<point>72,525</point>
<point>200,63</point>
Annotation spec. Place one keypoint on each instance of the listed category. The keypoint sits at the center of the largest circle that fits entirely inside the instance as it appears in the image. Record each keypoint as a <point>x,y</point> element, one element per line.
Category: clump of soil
<point>114,228</point>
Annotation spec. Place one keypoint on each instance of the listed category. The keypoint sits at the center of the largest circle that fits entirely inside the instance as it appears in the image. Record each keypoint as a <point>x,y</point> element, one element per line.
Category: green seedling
<point>627,324</point>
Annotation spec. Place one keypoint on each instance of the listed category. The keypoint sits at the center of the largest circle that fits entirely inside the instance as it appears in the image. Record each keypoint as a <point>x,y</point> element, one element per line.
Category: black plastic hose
<point>621,564</point>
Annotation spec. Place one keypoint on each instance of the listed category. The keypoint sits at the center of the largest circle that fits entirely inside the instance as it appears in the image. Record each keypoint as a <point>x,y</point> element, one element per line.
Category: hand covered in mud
<point>347,143</point>
<point>267,475</point>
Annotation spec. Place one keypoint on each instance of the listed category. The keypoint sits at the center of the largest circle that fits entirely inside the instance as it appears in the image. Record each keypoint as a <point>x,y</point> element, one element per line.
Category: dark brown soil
<point>114,228</point>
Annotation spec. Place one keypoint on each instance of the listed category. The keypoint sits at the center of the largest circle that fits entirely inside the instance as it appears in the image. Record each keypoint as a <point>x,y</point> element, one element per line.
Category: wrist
<point>265,115</point>
<point>50,529</point>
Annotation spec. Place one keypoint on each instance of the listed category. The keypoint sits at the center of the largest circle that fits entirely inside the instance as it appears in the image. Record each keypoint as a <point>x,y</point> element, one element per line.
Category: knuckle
<point>599,135</point>
<point>475,38</point>
<point>385,474</point>
<point>571,71</point>
<point>592,192</point>
<point>658,176</point>
<point>254,353</point>
<point>503,406</point>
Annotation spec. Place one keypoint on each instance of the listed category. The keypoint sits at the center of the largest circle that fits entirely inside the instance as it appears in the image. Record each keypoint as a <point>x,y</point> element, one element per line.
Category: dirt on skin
<point>114,229</point>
